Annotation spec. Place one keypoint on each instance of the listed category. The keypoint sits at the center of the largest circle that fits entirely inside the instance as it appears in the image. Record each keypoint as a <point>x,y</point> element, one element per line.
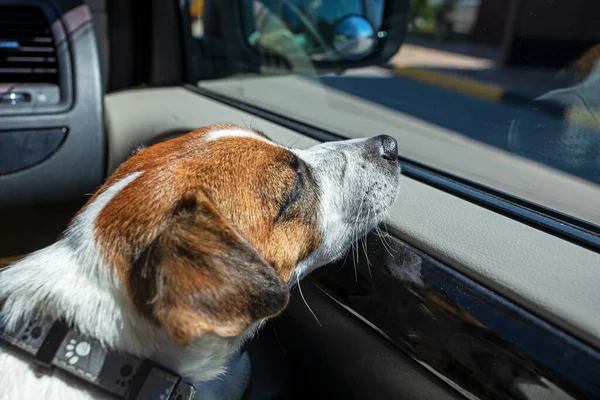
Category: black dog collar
<point>53,344</point>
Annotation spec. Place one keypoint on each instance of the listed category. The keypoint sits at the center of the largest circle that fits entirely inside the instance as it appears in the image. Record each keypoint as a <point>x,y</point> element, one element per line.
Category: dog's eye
<point>292,195</point>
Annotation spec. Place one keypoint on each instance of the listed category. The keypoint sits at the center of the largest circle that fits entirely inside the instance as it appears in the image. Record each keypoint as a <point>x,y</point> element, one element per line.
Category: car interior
<point>481,284</point>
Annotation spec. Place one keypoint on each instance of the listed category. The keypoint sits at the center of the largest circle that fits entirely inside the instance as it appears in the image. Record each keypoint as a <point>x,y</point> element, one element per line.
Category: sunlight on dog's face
<point>230,219</point>
<point>358,181</point>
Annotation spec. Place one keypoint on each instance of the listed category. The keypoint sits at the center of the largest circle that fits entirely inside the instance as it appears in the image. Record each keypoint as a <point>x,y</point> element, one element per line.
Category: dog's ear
<point>201,276</point>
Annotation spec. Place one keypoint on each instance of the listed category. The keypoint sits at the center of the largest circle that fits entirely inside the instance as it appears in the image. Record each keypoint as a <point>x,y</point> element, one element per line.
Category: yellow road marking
<point>583,116</point>
<point>467,86</point>
<point>486,91</point>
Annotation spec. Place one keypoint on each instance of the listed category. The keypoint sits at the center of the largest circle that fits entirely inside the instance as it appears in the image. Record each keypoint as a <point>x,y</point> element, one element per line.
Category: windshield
<point>504,95</point>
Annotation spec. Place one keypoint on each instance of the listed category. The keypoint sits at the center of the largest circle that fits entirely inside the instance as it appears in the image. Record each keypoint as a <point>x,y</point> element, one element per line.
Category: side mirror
<point>299,35</point>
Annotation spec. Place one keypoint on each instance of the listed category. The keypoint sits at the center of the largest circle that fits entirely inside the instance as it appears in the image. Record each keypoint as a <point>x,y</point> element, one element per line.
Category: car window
<point>502,95</point>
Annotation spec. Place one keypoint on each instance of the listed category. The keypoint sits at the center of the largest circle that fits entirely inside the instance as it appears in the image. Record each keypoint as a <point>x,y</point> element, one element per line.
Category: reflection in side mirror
<point>318,31</point>
<point>354,37</point>
<point>229,37</point>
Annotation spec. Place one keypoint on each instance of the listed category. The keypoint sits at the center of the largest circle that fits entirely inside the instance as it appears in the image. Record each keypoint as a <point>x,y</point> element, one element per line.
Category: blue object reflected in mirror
<point>354,37</point>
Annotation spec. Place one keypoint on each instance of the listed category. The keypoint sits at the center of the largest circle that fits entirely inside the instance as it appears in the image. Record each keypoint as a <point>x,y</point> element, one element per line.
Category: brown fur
<point>201,239</point>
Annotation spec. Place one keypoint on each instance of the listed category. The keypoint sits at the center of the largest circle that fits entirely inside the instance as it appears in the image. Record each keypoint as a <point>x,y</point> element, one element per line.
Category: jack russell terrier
<point>179,257</point>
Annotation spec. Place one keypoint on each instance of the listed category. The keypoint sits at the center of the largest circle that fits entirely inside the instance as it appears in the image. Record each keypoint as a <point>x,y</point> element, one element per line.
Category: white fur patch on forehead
<point>233,133</point>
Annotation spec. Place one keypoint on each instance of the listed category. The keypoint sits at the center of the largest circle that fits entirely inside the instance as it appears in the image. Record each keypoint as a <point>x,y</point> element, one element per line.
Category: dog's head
<point>205,231</point>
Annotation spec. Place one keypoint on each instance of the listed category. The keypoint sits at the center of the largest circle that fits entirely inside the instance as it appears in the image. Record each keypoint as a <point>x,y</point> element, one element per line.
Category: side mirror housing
<point>245,36</point>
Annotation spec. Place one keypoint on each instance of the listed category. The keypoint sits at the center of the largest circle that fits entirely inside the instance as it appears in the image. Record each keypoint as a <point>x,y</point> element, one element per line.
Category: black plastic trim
<point>466,333</point>
<point>23,149</point>
<point>574,230</point>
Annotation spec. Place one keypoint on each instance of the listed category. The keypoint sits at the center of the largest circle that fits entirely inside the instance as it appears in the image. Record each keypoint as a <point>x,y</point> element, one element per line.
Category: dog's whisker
<point>364,241</point>
<point>295,142</point>
<point>385,226</point>
<point>355,233</point>
<point>385,244</point>
<point>277,339</point>
<point>343,262</point>
<point>384,240</point>
<point>243,121</point>
<point>354,263</point>
<point>356,259</point>
<point>387,234</point>
<point>305,302</point>
<point>383,236</point>
<point>353,250</point>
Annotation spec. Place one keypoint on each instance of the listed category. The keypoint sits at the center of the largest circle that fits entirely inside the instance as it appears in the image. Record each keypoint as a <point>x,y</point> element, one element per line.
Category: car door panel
<point>472,315</point>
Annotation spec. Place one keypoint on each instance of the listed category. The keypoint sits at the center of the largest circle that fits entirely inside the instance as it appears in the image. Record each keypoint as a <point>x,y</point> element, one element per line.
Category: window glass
<point>503,93</point>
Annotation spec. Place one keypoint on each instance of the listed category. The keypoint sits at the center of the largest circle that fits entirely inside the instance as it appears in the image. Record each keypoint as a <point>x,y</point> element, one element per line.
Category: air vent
<point>27,51</point>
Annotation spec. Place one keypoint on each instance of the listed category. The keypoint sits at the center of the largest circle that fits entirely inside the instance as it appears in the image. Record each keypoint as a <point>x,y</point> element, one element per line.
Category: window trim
<point>512,323</point>
<point>571,229</point>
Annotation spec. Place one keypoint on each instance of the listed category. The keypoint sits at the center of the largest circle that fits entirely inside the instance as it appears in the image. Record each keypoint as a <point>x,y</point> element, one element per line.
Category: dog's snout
<point>388,147</point>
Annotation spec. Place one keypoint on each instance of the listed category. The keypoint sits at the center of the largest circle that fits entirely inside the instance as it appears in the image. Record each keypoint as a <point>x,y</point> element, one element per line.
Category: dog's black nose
<point>389,147</point>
